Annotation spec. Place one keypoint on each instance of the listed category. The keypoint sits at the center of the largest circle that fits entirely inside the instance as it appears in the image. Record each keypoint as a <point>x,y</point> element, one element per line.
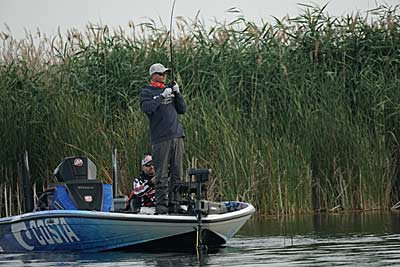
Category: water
<point>351,239</point>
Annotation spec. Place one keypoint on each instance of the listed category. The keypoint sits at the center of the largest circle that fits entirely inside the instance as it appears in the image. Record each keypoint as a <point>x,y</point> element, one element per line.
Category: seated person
<point>143,194</point>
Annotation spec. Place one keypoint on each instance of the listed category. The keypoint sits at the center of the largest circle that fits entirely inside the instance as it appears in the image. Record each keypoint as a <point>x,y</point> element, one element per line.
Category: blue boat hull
<point>86,231</point>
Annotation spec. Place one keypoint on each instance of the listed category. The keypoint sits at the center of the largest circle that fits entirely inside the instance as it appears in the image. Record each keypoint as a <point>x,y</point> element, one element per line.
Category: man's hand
<point>167,93</point>
<point>175,88</point>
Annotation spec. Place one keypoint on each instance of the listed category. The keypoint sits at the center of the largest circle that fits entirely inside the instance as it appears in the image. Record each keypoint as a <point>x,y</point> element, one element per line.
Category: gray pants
<point>168,162</point>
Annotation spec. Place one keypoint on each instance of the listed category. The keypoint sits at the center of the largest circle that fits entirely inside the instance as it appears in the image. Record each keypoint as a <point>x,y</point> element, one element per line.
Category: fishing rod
<point>170,44</point>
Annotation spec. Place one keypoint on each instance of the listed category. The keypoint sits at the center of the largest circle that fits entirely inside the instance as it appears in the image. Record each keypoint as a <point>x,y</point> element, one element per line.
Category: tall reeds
<point>293,116</point>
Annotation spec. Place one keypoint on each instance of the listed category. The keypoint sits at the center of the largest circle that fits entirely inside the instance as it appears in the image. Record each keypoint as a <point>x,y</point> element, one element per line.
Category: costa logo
<point>44,232</point>
<point>78,162</point>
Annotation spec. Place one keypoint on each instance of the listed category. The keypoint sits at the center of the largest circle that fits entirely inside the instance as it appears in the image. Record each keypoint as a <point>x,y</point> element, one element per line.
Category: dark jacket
<point>162,114</point>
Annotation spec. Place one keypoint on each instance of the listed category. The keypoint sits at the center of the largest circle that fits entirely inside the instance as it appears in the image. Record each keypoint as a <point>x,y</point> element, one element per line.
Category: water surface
<point>340,239</point>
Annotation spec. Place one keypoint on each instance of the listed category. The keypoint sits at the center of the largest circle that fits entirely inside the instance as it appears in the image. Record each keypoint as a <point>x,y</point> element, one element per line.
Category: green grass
<point>293,116</point>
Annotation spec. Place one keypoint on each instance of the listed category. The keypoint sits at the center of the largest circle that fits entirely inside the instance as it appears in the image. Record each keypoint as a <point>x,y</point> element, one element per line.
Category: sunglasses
<point>148,165</point>
<point>161,74</point>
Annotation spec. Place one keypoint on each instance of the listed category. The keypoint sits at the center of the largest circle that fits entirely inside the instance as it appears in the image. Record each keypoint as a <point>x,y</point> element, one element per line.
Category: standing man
<point>162,104</point>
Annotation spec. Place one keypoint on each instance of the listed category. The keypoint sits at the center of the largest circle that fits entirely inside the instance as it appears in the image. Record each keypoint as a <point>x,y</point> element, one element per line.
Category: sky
<point>21,16</point>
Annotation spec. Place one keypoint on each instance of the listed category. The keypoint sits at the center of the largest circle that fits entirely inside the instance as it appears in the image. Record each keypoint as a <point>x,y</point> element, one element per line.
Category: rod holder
<point>23,167</point>
<point>114,171</point>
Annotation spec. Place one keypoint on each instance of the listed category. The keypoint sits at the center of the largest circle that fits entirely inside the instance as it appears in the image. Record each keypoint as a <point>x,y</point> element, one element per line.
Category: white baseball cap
<point>158,68</point>
<point>147,159</point>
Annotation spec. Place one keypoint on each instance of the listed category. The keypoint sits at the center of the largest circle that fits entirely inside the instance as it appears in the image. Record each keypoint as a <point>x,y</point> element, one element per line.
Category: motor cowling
<point>75,168</point>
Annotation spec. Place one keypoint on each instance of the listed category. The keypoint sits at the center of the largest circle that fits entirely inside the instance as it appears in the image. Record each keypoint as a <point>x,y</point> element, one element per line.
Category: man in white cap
<point>143,193</point>
<point>162,104</point>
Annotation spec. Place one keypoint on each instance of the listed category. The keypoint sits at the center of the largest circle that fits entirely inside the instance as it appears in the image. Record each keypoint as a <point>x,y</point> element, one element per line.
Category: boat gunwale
<point>211,218</point>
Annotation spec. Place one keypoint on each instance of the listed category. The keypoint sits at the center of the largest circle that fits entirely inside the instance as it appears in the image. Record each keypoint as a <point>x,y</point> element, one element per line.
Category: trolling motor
<point>198,177</point>
<point>191,190</point>
<point>194,194</point>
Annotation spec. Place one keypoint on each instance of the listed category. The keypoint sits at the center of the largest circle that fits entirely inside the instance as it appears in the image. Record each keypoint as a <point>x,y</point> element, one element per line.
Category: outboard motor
<point>77,187</point>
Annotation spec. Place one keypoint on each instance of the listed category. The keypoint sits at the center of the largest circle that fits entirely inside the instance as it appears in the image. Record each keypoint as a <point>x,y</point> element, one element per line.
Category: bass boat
<point>79,213</point>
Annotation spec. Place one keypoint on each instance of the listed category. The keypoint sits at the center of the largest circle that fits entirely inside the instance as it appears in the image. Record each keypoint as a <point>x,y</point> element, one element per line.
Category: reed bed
<point>294,116</point>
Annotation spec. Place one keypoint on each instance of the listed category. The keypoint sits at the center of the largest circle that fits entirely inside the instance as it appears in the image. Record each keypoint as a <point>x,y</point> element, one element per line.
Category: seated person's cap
<point>157,68</point>
<point>147,159</point>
